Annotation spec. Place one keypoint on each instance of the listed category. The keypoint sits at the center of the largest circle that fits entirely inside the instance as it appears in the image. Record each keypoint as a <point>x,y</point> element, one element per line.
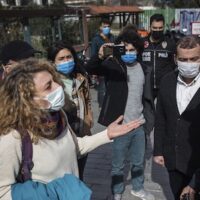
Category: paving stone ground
<point>98,168</point>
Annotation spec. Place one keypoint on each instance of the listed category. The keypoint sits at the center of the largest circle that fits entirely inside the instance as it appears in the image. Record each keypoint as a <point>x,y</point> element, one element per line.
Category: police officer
<point>158,52</point>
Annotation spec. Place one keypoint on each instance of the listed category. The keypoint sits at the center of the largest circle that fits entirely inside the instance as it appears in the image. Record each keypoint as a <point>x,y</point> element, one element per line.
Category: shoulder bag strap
<point>27,156</point>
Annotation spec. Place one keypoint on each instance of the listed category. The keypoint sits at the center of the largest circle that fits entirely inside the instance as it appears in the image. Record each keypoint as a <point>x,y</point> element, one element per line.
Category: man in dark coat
<point>177,127</point>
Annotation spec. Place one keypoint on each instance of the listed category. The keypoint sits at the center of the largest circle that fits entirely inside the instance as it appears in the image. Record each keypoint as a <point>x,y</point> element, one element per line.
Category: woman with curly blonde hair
<point>31,99</point>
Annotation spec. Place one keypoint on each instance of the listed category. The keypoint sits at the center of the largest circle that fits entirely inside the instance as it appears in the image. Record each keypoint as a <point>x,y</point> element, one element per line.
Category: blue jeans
<point>131,146</point>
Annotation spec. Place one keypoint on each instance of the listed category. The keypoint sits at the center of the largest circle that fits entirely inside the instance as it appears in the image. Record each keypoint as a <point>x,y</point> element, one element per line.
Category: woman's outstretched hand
<point>116,129</point>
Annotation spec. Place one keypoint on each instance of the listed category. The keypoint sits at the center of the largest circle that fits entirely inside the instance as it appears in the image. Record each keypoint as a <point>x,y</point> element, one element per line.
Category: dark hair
<point>105,21</point>
<point>128,28</point>
<point>188,42</point>
<point>58,46</point>
<point>132,38</point>
<point>157,17</point>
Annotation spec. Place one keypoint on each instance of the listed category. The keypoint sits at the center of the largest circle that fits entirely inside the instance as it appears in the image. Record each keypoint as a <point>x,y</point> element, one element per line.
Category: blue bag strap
<point>27,156</point>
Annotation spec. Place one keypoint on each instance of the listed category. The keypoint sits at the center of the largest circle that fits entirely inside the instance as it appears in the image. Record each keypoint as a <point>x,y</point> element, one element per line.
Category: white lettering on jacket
<point>163,55</point>
<point>146,56</point>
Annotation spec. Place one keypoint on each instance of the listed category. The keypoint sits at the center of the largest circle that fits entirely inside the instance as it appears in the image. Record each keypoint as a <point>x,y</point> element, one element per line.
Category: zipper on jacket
<point>154,69</point>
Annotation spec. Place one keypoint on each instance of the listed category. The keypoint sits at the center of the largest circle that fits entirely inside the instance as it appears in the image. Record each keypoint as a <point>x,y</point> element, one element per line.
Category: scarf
<point>54,124</point>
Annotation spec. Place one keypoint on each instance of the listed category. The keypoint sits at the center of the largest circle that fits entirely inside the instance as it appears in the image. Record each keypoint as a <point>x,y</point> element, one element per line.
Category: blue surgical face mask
<point>129,57</point>
<point>66,67</point>
<point>106,30</point>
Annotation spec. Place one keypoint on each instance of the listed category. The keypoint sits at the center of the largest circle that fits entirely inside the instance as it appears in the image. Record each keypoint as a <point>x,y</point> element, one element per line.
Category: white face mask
<point>188,70</point>
<point>56,99</point>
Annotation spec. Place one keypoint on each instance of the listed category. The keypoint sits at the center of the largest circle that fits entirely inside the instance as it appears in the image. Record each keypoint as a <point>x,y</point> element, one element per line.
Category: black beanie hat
<point>16,50</point>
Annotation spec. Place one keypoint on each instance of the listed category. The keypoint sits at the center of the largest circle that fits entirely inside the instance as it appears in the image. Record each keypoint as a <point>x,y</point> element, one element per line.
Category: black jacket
<point>160,57</point>
<point>177,137</point>
<point>115,98</point>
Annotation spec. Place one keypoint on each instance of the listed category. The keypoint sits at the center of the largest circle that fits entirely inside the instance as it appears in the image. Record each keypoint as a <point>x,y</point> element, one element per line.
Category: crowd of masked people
<point>150,85</point>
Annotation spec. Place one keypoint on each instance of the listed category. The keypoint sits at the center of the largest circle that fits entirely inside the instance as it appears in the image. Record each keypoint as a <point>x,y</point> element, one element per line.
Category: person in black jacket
<point>127,93</point>
<point>177,127</point>
<point>158,52</point>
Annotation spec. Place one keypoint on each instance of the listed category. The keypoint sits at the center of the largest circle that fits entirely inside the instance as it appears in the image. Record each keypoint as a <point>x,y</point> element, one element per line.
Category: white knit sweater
<point>52,158</point>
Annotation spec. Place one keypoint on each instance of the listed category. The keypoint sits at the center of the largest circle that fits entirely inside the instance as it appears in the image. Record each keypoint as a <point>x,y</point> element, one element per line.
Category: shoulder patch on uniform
<point>146,44</point>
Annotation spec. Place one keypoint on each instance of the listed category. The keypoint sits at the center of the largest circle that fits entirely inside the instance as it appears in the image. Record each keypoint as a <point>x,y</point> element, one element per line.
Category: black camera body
<point>115,50</point>
<point>185,197</point>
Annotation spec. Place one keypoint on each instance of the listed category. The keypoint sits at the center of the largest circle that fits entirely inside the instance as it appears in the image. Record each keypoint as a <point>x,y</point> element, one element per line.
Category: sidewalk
<point>98,167</point>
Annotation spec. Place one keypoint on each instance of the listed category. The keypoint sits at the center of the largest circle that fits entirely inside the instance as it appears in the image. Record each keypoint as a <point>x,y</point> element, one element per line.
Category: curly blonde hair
<point>18,109</point>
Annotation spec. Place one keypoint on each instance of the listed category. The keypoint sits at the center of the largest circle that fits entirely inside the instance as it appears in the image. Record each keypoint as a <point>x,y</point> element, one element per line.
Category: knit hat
<point>16,50</point>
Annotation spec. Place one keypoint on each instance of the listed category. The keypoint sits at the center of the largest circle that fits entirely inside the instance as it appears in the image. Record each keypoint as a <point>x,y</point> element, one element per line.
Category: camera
<point>186,197</point>
<point>115,50</point>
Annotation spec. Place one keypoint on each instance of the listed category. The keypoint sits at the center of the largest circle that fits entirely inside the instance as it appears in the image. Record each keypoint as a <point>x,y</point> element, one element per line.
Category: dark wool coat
<point>177,137</point>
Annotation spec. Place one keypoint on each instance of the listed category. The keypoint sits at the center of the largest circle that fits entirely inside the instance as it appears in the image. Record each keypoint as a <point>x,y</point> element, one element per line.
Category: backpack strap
<point>27,156</point>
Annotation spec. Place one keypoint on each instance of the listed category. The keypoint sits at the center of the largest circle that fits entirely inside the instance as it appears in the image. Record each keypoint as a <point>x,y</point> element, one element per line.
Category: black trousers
<point>178,181</point>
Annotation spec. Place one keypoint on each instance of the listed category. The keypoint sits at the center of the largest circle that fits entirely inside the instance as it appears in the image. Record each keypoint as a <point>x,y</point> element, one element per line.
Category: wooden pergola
<point>123,12</point>
<point>23,14</point>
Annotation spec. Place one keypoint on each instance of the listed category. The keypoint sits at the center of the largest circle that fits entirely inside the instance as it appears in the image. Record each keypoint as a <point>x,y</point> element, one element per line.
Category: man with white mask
<point>177,127</point>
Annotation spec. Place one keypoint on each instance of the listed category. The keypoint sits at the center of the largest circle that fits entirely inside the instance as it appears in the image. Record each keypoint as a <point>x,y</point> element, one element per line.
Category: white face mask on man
<point>56,99</point>
<point>188,69</point>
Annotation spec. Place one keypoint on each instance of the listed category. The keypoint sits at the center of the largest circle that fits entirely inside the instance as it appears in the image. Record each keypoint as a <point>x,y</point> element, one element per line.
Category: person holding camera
<point>127,93</point>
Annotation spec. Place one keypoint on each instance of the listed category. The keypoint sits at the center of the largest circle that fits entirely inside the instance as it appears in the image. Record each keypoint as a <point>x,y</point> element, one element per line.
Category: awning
<point>99,10</point>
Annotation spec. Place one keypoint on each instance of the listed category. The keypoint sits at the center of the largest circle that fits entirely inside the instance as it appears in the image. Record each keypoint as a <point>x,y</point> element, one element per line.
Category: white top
<point>185,92</point>
<point>52,158</point>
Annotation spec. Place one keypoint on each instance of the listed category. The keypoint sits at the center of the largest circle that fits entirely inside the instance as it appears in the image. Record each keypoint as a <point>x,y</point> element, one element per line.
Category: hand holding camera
<point>186,196</point>
<point>110,49</point>
<point>188,193</point>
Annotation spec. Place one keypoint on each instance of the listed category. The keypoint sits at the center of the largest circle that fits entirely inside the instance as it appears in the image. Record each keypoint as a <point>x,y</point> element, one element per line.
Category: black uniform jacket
<point>160,57</point>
